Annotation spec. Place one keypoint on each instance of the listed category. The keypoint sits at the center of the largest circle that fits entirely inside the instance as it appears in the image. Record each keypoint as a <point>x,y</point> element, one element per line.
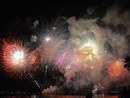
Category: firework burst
<point>116,69</point>
<point>14,57</point>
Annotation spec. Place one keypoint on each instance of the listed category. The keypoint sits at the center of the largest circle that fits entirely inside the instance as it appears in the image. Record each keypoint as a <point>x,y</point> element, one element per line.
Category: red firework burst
<point>115,69</point>
<point>17,60</point>
<point>14,56</point>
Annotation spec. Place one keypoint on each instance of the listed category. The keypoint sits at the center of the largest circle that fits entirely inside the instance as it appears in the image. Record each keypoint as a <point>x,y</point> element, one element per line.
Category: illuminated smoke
<point>33,38</point>
<point>93,52</point>
<point>85,50</point>
<point>50,90</point>
<point>48,39</point>
<point>35,23</point>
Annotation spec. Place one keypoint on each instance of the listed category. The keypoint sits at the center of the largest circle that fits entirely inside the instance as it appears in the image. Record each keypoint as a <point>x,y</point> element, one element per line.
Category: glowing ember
<point>33,58</point>
<point>115,69</point>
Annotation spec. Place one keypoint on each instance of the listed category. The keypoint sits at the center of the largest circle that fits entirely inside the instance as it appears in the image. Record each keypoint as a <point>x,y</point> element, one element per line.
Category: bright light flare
<point>48,38</point>
<point>18,56</point>
<point>91,45</point>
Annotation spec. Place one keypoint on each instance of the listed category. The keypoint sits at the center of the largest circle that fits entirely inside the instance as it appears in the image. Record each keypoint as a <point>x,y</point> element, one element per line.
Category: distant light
<point>117,62</point>
<point>68,67</point>
<point>102,87</point>
<point>48,39</point>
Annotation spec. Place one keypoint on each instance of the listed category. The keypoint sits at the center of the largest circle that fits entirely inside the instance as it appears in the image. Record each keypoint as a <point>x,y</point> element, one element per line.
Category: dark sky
<point>10,11</point>
<point>47,9</point>
<point>13,13</point>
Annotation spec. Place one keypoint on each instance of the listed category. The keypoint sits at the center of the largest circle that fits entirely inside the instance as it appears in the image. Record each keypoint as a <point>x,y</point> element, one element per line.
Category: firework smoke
<point>92,51</point>
<point>33,38</point>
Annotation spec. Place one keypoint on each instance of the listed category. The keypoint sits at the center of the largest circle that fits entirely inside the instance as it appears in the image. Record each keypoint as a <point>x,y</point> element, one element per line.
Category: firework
<point>88,50</point>
<point>116,69</point>
<point>34,57</point>
<point>33,60</point>
<point>14,57</point>
<point>66,60</point>
<point>48,38</point>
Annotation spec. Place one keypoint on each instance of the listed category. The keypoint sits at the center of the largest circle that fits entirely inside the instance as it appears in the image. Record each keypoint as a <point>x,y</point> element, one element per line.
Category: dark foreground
<point>59,96</point>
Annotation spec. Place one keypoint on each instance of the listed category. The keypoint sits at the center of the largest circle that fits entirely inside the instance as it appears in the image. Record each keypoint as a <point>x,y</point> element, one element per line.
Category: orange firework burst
<point>115,69</point>
<point>34,57</point>
<point>17,60</point>
<point>14,56</point>
<point>86,53</point>
<point>88,50</point>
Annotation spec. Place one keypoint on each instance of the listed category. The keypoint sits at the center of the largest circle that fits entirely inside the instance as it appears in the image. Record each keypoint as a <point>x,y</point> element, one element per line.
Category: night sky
<point>12,13</point>
<point>16,18</point>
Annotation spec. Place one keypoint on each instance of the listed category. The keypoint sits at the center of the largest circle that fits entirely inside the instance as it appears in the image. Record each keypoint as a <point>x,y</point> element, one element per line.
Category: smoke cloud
<point>92,53</point>
<point>33,38</point>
